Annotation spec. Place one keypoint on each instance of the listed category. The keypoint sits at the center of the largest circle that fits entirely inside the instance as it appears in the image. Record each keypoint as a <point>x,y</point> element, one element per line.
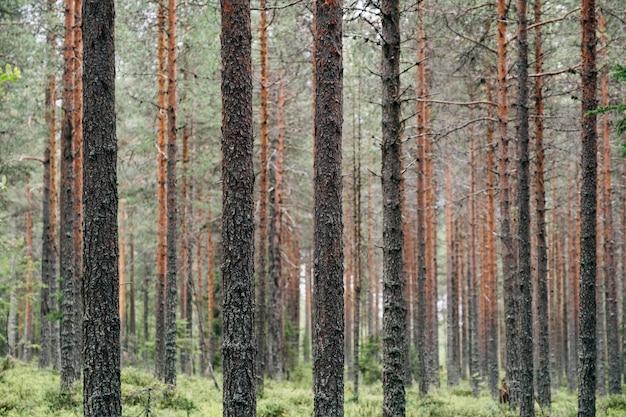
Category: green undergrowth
<point>27,391</point>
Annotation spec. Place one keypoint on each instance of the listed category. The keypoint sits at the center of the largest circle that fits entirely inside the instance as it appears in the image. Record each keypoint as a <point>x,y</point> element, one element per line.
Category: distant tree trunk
<point>77,139</point>
<point>49,338</point>
<point>328,305</point>
<point>587,352</point>
<point>306,340</point>
<point>356,206</point>
<point>186,273</point>
<point>573,285</point>
<point>452,284</point>
<point>508,254</point>
<point>101,325</point>
<point>159,354</point>
<point>28,295</point>
<point>422,330</point>
<point>394,313</point>
<point>525,310</point>
<point>145,298</point>
<point>171,297</point>
<point>612,327</point>
<point>199,292</point>
<point>70,333</point>
<point>261,321</point>
<point>543,319</point>
<point>623,255</point>
<point>132,326</point>
<point>491,298</point>
<point>600,300</point>
<point>238,349</point>
<point>122,277</point>
<point>348,279</point>
<point>210,284</point>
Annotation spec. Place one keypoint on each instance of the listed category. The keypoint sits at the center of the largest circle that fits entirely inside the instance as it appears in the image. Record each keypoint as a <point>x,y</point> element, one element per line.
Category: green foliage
<point>175,400</point>
<point>62,400</point>
<point>269,408</point>
<point>619,73</point>
<point>369,362</point>
<point>10,74</point>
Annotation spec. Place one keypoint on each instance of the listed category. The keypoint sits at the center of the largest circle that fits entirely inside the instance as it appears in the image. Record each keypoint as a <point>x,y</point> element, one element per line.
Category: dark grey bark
<point>171,296</point>
<point>587,312</point>
<point>525,342</point>
<point>394,303</point>
<point>543,377</point>
<point>275,325</point>
<point>452,297</point>
<point>238,349</point>
<point>48,270</point>
<point>328,293</point>
<point>101,325</point>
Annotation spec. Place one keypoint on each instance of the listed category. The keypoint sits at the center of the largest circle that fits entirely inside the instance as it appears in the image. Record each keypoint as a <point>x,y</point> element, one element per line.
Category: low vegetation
<point>27,391</point>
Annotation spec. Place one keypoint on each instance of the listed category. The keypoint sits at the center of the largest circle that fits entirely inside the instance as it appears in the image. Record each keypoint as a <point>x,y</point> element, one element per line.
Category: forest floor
<point>27,391</point>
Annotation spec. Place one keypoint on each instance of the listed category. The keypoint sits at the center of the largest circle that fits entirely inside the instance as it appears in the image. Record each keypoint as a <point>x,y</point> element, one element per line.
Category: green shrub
<point>271,409</point>
<point>62,400</point>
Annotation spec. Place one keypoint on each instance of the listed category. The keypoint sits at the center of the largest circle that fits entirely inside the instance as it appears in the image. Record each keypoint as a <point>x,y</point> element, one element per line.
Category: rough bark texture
<point>525,344</point>
<point>185,267</point>
<point>328,304</point>
<point>261,334</point>
<point>394,304</point>
<point>122,272</point>
<point>452,294</point>
<point>161,251</point>
<point>70,330</point>
<point>238,349</point>
<point>543,367</point>
<point>101,325</point>
<point>171,296</point>
<point>587,312</point>
<point>28,308</point>
<point>356,206</point>
<point>508,254</point>
<point>609,252</point>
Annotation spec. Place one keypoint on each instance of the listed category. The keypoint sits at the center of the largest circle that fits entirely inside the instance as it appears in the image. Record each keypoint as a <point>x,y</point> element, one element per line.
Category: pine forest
<point>313,208</point>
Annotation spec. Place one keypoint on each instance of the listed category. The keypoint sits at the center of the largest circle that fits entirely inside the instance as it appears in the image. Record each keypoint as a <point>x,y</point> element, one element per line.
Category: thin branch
<point>544,74</point>
<point>458,103</point>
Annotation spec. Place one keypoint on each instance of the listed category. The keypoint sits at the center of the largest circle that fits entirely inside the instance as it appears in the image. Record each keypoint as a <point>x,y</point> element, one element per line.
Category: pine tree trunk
<point>356,205</point>
<point>261,321</point>
<point>186,359</point>
<point>70,330</point>
<point>159,354</point>
<point>328,305</point>
<point>525,310</point>
<point>452,296</point>
<point>238,349</point>
<point>394,308</point>
<point>101,327</point>
<point>122,278</point>
<point>171,297</point>
<point>132,326</point>
<point>28,295</point>
<point>612,327</point>
<point>587,312</point>
<point>210,285</point>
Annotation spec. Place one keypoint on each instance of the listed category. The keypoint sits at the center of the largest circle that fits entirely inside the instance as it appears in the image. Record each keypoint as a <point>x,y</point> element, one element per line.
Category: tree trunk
<point>394,308</point>
<point>171,297</point>
<point>306,340</point>
<point>132,326</point>
<point>159,348</point>
<point>328,319</point>
<point>122,278</point>
<point>261,322</point>
<point>210,284</point>
<point>28,296</point>
<point>525,310</point>
<point>356,206</point>
<point>543,318</point>
<point>452,295</point>
<point>587,312</point>
<point>610,276</point>
<point>101,326</point>
<point>238,349</point>
<point>186,273</point>
<point>70,330</point>
<point>146,332</point>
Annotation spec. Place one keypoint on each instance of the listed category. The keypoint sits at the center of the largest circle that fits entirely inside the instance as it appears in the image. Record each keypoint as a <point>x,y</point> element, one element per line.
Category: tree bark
<point>238,349</point>
<point>394,307</point>
<point>161,252</point>
<point>171,296</point>
<point>609,267</point>
<point>328,304</point>
<point>101,325</point>
<point>525,310</point>
<point>587,312</point>
<point>452,295</point>
<point>28,310</point>
<point>122,276</point>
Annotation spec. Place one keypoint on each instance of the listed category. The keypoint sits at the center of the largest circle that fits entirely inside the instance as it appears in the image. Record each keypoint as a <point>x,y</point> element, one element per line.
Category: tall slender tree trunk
<point>101,325</point>
<point>508,254</point>
<point>132,326</point>
<point>122,277</point>
<point>238,349</point>
<point>525,310</point>
<point>261,322</point>
<point>356,205</point>
<point>210,254</point>
<point>587,352</point>
<point>186,272</point>
<point>328,305</point>
<point>171,297</point>
<point>543,377</point>
<point>306,340</point>
<point>452,295</point>
<point>394,308</point>
<point>70,333</point>
<point>610,276</point>
<point>161,252</point>
<point>28,295</point>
